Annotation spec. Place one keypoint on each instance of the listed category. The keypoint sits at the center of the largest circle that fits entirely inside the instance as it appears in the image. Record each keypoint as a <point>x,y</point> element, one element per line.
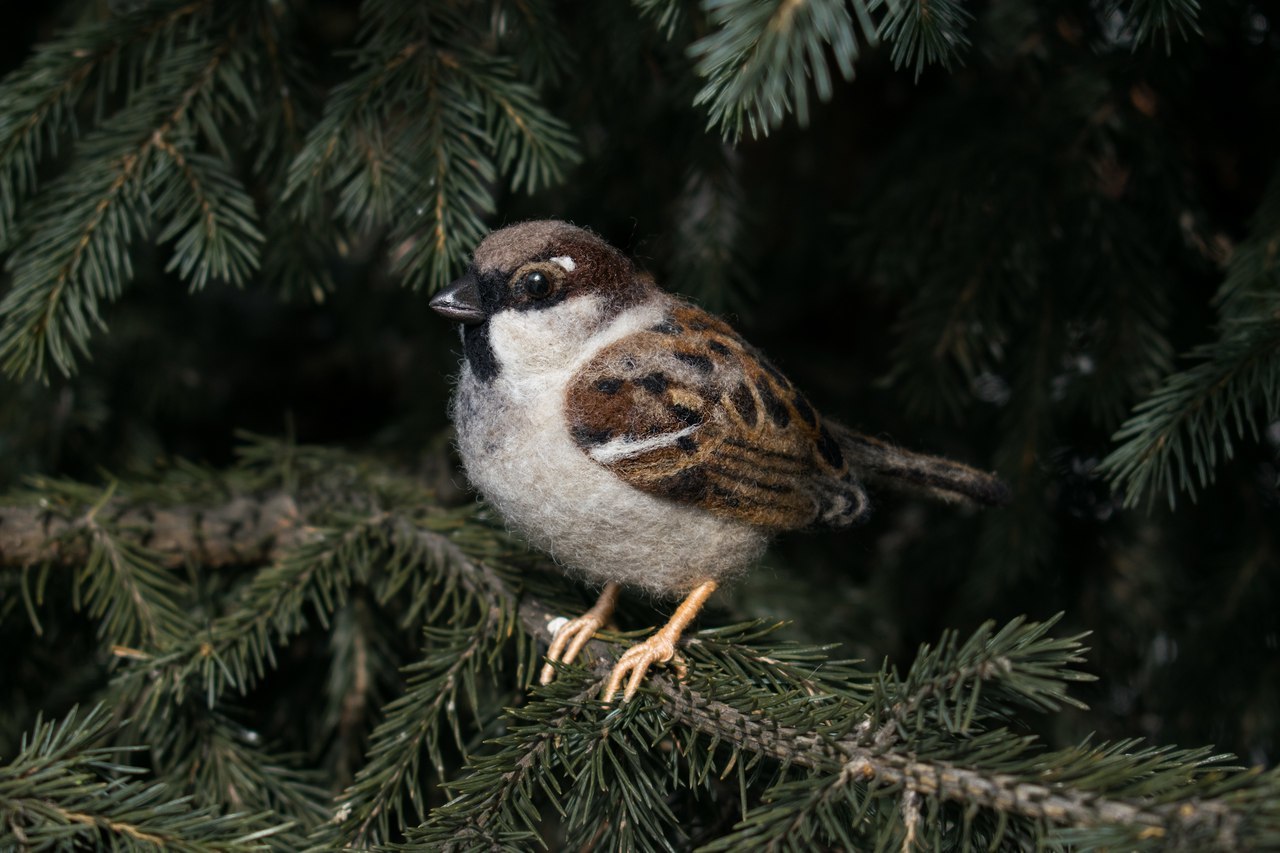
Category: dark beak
<point>460,301</point>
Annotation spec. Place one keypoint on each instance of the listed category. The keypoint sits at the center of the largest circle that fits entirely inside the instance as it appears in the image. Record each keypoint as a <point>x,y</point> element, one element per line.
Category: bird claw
<point>567,642</point>
<point>636,662</point>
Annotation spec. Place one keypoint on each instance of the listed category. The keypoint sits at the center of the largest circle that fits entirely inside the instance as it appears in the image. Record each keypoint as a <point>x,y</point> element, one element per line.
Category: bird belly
<point>517,451</point>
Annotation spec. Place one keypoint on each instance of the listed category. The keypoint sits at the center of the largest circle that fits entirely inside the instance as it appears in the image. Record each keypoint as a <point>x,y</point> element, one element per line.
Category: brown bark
<point>246,530</point>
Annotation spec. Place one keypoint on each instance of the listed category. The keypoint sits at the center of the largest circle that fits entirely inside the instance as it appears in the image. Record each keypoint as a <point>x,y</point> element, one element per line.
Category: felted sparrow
<point>640,440</point>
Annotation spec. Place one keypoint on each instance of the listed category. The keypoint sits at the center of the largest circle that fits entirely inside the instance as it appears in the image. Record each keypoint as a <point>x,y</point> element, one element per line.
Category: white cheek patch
<point>529,344</point>
<point>566,262</point>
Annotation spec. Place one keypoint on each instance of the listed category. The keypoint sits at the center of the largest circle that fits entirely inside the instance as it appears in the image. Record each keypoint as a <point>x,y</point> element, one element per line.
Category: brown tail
<point>878,463</point>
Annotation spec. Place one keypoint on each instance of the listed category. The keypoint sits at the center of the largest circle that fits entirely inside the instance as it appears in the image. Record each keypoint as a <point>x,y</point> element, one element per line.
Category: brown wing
<point>689,411</point>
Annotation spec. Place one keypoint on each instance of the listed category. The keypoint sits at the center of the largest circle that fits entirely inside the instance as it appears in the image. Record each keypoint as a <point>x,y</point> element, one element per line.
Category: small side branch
<point>247,530</point>
<point>855,757</point>
<point>264,529</point>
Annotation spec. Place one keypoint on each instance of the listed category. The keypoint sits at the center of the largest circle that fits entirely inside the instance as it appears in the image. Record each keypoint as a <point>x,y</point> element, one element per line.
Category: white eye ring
<point>565,262</point>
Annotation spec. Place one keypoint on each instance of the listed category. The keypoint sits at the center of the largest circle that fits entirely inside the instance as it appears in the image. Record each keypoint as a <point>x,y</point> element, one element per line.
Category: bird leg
<point>575,633</point>
<point>659,648</point>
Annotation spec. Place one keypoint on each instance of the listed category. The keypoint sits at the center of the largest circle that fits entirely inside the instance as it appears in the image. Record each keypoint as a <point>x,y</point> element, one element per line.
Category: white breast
<point>515,445</point>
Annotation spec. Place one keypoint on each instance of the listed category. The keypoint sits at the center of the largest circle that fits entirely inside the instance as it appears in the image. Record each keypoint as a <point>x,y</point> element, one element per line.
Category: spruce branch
<point>77,253</point>
<point>399,142</point>
<point>46,314</point>
<point>856,781</point>
<point>926,32</point>
<point>413,141</point>
<point>435,235</point>
<point>390,782</point>
<point>1145,20</point>
<point>844,751</point>
<point>424,560</point>
<point>604,780</point>
<point>210,219</point>
<point>134,599</point>
<point>298,246</point>
<point>225,764</point>
<point>361,675</point>
<point>120,580</point>
<point>667,15</point>
<point>41,97</point>
<point>1041,791</point>
<point>531,32</point>
<point>348,140</point>
<point>709,240</point>
<point>66,789</point>
<point>759,59</point>
<point>530,144</point>
<point>987,675</point>
<point>235,650</point>
<point>615,798</point>
<point>496,804</point>
<point>482,607</point>
<point>242,531</point>
<point>391,553</point>
<point>1174,441</point>
<point>312,554</point>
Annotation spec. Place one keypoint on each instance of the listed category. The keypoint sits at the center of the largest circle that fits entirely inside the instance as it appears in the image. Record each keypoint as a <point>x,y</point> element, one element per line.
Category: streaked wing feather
<point>688,411</point>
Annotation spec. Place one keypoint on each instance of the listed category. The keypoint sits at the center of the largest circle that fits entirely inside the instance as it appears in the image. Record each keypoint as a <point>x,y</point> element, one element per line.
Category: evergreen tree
<point>248,605</point>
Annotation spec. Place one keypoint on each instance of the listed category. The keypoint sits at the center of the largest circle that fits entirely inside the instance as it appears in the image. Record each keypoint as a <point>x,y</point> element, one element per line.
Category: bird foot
<point>660,648</point>
<point>568,641</point>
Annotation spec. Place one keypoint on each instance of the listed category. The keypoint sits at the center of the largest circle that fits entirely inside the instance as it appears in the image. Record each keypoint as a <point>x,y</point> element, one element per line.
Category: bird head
<point>535,291</point>
<point>535,266</point>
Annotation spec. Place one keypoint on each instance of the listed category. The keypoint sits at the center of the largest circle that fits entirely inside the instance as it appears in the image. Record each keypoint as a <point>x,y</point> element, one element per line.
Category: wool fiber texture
<point>514,440</point>
<point>639,439</point>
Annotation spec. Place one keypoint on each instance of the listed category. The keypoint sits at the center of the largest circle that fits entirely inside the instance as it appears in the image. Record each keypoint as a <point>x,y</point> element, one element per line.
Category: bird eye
<point>537,285</point>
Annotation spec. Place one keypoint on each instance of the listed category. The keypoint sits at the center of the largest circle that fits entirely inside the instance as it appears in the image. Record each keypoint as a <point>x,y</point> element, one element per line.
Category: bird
<point>640,440</point>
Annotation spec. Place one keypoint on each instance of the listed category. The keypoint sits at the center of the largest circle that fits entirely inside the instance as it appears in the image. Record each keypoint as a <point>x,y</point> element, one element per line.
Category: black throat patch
<point>476,345</point>
<point>479,352</point>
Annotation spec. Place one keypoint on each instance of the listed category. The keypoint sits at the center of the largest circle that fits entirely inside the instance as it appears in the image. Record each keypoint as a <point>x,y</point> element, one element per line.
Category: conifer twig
<point>68,789</point>
<point>246,530</point>
<point>858,757</point>
<point>1001,792</point>
<point>266,527</point>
